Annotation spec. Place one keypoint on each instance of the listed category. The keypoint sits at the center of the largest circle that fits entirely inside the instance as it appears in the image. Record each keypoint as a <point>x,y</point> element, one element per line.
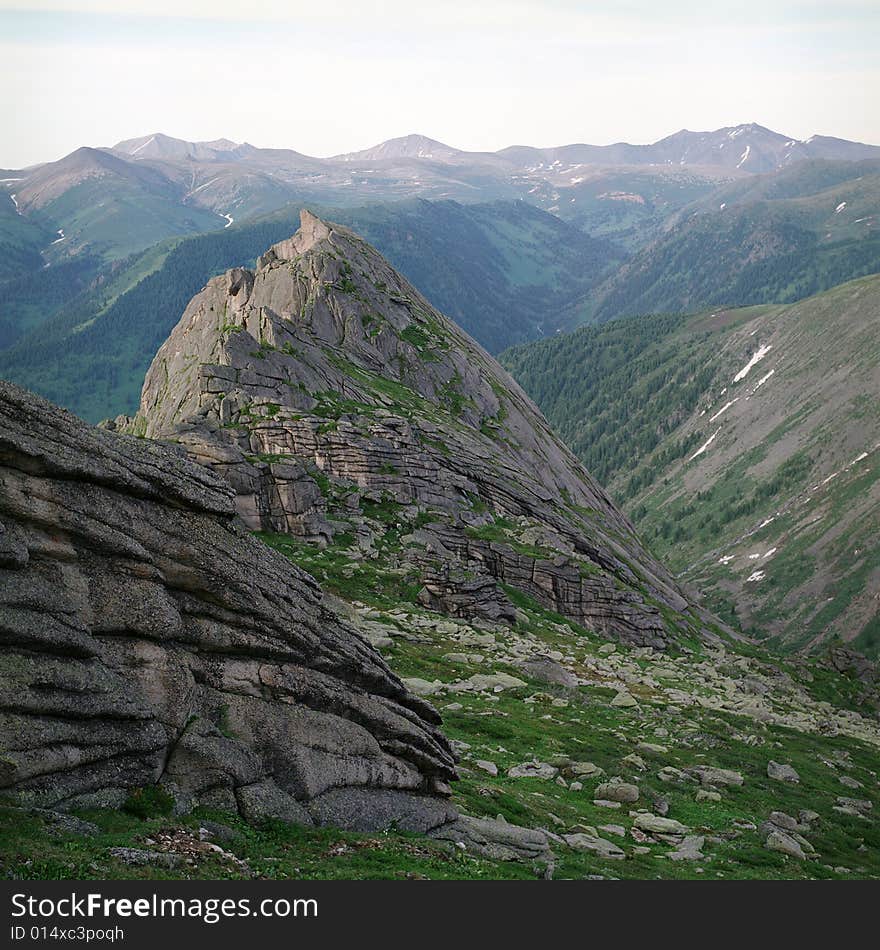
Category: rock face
<point>147,638</point>
<point>344,409</point>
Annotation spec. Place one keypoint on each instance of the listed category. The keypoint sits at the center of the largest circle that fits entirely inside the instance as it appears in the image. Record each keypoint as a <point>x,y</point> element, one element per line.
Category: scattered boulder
<point>535,769</point>
<point>624,700</point>
<point>617,792</point>
<point>709,775</point>
<point>497,840</point>
<point>657,825</point>
<point>691,849</point>
<point>782,772</point>
<point>600,846</point>
<point>786,844</point>
<point>547,670</point>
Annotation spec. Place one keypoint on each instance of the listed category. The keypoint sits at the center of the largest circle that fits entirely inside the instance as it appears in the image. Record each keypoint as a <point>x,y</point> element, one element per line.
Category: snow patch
<point>755,576</point>
<point>726,559</point>
<point>723,409</point>
<point>771,552</point>
<point>744,157</point>
<point>60,238</point>
<point>152,138</point>
<point>229,219</point>
<point>840,207</point>
<point>705,445</point>
<point>763,380</point>
<point>756,357</point>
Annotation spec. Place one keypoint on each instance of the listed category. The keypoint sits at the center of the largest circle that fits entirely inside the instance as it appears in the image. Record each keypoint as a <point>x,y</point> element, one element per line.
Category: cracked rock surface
<point>147,637</point>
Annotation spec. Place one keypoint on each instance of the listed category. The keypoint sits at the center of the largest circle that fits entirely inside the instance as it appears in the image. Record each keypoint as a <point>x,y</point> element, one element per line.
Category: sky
<point>331,76</point>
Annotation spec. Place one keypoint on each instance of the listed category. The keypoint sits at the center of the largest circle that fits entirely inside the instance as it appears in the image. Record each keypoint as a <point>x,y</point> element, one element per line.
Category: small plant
<point>151,801</point>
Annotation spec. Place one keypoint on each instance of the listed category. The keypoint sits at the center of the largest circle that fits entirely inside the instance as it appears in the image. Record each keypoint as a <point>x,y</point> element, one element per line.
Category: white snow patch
<point>60,238</point>
<point>229,220</point>
<point>705,445</point>
<point>756,357</point>
<point>765,522</point>
<point>755,556</point>
<point>17,209</point>
<point>771,552</point>
<point>722,206</point>
<point>832,475</point>
<point>763,380</point>
<point>840,207</point>
<point>745,156</point>
<point>755,576</point>
<point>211,182</point>
<point>723,409</point>
<point>859,458</point>
<point>726,559</point>
<point>152,138</point>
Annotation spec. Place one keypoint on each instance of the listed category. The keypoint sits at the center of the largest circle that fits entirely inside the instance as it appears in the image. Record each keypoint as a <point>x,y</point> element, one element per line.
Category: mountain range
<point>112,201</point>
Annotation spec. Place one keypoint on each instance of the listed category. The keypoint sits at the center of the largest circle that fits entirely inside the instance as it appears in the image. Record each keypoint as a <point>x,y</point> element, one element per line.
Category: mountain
<point>744,148</point>
<point>103,205</point>
<point>166,148</point>
<point>407,146</point>
<point>345,410</point>
<point>507,272</point>
<point>773,238</point>
<point>744,444</point>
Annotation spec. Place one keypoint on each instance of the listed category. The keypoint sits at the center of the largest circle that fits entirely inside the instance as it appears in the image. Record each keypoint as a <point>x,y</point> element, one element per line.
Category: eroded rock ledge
<point>147,637</point>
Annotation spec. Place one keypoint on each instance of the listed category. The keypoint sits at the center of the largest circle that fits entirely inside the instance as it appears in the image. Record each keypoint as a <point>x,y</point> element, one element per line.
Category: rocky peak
<point>344,409</point>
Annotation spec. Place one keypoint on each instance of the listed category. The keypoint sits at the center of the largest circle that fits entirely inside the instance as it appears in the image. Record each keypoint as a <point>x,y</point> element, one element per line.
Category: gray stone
<point>542,770</point>
<point>782,772</point>
<point>784,843</point>
<point>600,846</point>
<point>497,840</point>
<point>657,825</point>
<point>617,792</point>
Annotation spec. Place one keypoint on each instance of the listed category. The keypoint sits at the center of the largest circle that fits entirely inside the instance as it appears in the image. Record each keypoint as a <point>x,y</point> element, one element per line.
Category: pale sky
<point>330,76</point>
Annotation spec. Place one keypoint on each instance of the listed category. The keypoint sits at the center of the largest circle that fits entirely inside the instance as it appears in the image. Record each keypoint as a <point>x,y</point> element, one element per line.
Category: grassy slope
<point>684,705</point>
<point>636,400</point>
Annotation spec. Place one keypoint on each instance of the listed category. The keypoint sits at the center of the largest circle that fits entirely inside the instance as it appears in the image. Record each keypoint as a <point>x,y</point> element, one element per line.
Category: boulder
<point>148,638</point>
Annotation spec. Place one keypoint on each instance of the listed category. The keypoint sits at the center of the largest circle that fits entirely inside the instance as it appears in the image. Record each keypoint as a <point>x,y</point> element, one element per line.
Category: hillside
<point>744,445</point>
<point>506,271</point>
<point>775,238</point>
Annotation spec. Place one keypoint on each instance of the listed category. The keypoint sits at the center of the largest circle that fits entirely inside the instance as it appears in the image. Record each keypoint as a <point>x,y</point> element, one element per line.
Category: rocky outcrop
<point>147,637</point>
<point>344,409</point>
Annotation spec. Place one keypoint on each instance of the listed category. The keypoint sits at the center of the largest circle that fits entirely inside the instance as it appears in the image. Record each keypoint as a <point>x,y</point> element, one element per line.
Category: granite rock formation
<point>344,409</point>
<point>148,637</point>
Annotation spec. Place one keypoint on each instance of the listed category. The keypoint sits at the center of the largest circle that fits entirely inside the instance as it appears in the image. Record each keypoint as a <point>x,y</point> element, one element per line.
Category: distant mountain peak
<point>161,146</point>
<point>413,145</point>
